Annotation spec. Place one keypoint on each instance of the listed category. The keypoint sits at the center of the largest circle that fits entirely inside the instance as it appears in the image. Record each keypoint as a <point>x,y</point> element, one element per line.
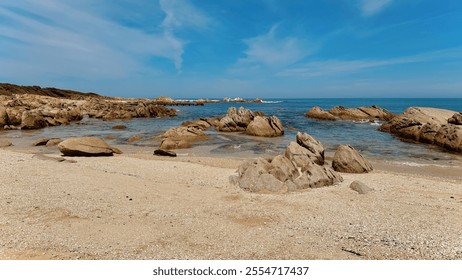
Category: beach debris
<point>348,160</point>
<point>301,167</point>
<point>86,146</point>
<point>360,187</point>
<point>5,143</point>
<point>371,113</point>
<point>427,125</point>
<point>165,153</point>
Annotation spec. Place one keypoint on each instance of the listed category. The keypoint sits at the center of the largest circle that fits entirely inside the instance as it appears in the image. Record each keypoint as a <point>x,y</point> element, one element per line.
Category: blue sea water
<point>363,136</point>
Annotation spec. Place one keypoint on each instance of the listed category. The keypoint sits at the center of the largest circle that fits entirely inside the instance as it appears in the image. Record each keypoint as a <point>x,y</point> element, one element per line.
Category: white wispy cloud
<point>335,67</point>
<point>182,14</point>
<point>54,39</point>
<point>270,50</point>
<point>372,7</point>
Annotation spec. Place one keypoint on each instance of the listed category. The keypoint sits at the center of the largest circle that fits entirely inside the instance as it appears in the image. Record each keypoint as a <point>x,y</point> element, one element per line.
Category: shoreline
<point>138,206</point>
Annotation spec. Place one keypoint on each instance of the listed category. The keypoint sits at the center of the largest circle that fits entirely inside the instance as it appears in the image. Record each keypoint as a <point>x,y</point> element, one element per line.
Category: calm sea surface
<point>363,136</point>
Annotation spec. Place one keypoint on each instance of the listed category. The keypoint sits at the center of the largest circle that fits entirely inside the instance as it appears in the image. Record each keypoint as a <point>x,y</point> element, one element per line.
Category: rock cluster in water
<point>371,113</point>
<point>35,107</point>
<point>236,120</point>
<point>428,125</point>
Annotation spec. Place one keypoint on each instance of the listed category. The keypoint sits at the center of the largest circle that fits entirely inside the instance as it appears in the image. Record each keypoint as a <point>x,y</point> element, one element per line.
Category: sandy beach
<point>139,206</point>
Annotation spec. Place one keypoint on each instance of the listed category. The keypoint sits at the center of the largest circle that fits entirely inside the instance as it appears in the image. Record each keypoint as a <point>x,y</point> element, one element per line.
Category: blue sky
<point>222,48</point>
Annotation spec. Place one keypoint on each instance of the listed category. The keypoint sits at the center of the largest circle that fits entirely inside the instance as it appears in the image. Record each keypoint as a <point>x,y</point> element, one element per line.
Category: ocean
<point>363,136</point>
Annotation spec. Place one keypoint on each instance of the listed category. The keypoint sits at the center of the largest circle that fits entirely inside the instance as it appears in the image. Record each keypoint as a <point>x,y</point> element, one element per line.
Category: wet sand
<point>138,206</point>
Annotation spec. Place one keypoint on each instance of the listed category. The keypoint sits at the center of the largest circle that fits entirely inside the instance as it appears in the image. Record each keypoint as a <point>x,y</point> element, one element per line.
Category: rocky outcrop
<point>348,160</point>
<point>86,147</point>
<point>299,168</point>
<point>181,137</point>
<point>320,114</point>
<point>252,123</point>
<point>371,113</point>
<point>427,125</point>
<point>456,119</point>
<point>236,119</point>
<point>35,107</point>
<point>265,127</point>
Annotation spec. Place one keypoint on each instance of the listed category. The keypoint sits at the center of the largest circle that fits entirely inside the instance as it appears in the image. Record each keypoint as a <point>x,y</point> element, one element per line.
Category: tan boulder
<point>265,127</point>
<point>455,119</point>
<point>4,119</point>
<point>320,114</point>
<point>32,120</point>
<point>348,160</point>
<point>5,143</point>
<point>86,146</point>
<point>314,147</point>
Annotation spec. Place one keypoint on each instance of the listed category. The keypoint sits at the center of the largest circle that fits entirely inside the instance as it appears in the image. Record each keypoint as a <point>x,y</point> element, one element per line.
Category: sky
<point>222,48</point>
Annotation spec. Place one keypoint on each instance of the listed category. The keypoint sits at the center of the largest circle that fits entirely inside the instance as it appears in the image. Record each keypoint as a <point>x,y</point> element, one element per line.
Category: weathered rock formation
<point>265,127</point>
<point>348,160</point>
<point>181,137</point>
<point>35,107</point>
<point>427,125</point>
<point>371,113</point>
<point>456,119</point>
<point>86,147</point>
<point>252,123</point>
<point>301,167</point>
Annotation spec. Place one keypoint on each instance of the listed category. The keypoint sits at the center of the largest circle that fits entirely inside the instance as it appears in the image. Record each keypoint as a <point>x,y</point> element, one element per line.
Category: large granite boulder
<point>348,160</point>
<point>320,114</point>
<point>299,168</point>
<point>87,147</point>
<point>265,127</point>
<point>427,125</point>
<point>236,120</point>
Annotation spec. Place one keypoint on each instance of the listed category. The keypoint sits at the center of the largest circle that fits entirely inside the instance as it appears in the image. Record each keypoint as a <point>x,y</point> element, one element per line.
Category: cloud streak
<point>372,7</point>
<point>53,39</point>
<point>336,67</point>
<point>271,51</point>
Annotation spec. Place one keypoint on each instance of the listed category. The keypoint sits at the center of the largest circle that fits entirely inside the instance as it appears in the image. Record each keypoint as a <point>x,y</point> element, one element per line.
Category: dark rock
<point>165,153</point>
<point>119,127</point>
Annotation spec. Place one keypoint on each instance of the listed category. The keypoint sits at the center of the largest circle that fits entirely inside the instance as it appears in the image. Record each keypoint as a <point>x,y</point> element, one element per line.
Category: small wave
<point>271,102</point>
<point>415,164</point>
